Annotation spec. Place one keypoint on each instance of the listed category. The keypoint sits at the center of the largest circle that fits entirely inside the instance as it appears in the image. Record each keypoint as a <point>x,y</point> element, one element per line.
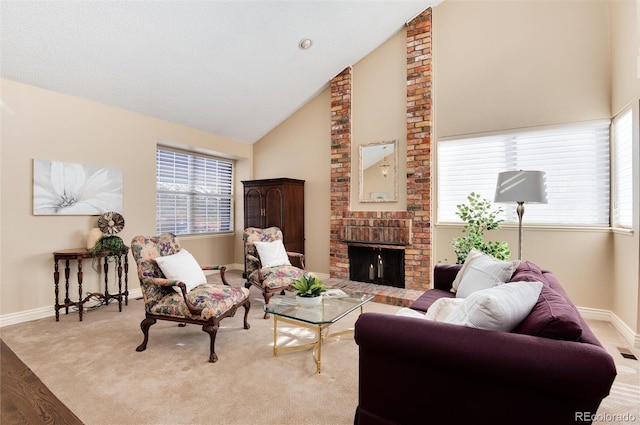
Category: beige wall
<point>300,148</point>
<point>379,103</point>
<point>625,69</point>
<point>41,124</point>
<point>511,64</point>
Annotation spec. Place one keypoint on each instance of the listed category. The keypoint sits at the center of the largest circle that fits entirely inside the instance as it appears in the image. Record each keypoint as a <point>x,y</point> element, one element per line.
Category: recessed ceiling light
<point>305,43</point>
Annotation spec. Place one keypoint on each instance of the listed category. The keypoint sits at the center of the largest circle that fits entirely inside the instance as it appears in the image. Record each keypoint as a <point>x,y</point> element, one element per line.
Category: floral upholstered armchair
<point>267,265</point>
<point>174,288</point>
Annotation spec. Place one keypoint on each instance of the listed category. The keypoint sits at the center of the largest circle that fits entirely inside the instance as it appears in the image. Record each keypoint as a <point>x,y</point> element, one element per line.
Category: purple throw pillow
<point>552,317</point>
<point>528,272</point>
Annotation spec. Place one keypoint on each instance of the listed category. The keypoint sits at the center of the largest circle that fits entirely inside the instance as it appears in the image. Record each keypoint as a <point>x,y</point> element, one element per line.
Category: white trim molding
<point>609,316</point>
<point>44,312</point>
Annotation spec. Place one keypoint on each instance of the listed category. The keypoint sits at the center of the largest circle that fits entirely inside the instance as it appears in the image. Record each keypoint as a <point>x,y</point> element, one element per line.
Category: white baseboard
<point>235,266</point>
<point>43,312</point>
<point>608,316</point>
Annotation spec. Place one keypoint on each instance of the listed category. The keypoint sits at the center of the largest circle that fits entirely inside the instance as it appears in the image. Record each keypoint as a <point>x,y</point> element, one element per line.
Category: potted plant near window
<point>308,290</point>
<point>479,217</point>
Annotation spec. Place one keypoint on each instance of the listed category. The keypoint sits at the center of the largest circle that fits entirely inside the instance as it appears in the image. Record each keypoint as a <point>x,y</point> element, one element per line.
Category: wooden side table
<point>79,255</point>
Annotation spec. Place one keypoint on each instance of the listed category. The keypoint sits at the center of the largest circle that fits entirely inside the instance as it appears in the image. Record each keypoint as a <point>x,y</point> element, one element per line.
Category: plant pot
<point>308,301</point>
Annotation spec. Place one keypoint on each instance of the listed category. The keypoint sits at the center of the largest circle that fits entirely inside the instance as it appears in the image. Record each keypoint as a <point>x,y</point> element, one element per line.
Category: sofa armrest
<point>444,275</point>
<point>464,370</point>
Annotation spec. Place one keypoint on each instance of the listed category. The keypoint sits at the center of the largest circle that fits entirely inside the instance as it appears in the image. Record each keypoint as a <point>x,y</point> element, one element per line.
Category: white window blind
<point>194,193</point>
<point>622,171</point>
<point>574,157</point>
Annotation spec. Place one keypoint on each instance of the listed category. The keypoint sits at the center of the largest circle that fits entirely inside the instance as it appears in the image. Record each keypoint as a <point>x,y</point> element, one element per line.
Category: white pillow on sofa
<point>438,311</point>
<point>500,308</point>
<point>483,272</point>
<point>272,254</point>
<point>472,255</point>
<point>442,308</point>
<point>183,267</point>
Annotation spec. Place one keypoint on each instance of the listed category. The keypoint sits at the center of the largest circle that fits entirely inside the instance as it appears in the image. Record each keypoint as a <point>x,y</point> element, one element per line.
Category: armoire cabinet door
<point>274,208</point>
<point>253,208</point>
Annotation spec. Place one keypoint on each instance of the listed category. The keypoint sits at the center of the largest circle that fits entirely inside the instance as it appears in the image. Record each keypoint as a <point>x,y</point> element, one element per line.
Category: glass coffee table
<point>319,318</point>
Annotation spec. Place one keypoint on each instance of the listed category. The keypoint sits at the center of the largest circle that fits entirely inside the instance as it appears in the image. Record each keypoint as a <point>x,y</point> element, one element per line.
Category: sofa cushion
<point>553,317</point>
<point>500,308</point>
<point>425,301</point>
<point>483,272</point>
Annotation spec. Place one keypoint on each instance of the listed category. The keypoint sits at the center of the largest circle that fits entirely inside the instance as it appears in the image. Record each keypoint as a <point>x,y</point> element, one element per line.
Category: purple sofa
<point>550,370</point>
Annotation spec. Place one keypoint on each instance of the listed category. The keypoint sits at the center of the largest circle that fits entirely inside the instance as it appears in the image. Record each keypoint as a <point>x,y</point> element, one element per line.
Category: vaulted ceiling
<point>233,68</point>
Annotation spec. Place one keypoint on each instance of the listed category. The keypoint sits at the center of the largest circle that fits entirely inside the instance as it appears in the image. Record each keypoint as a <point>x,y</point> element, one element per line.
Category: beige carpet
<point>93,368</point>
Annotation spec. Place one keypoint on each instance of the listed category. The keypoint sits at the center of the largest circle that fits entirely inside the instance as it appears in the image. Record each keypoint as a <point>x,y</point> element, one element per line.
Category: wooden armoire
<point>276,202</point>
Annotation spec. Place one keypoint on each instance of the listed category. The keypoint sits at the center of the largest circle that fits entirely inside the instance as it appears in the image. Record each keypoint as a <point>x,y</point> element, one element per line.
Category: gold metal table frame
<point>318,319</point>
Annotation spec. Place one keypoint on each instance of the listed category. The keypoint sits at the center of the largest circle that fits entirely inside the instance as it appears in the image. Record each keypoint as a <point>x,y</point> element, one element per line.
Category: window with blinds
<point>622,171</point>
<point>574,157</point>
<point>194,193</point>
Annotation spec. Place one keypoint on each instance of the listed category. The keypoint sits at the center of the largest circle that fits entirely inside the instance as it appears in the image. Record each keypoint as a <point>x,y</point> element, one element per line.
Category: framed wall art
<point>64,188</point>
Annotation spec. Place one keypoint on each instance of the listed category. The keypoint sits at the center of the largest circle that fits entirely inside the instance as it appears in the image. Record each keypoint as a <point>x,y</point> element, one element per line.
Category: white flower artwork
<point>63,188</point>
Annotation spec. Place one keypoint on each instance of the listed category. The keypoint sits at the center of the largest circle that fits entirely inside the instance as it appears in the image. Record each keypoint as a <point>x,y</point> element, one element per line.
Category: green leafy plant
<point>309,286</point>
<point>114,244</point>
<point>478,218</point>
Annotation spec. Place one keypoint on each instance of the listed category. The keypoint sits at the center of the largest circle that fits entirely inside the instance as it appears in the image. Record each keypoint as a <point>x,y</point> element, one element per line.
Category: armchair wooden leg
<point>222,271</point>
<point>247,306</point>
<point>212,330</point>
<point>267,296</point>
<point>145,325</point>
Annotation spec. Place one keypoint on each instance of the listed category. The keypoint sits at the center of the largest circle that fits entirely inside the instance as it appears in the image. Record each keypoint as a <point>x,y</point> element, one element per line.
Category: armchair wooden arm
<point>160,281</point>
<point>296,259</point>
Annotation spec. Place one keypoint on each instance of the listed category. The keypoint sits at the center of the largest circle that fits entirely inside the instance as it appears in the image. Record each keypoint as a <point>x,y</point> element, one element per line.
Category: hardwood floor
<point>25,399</point>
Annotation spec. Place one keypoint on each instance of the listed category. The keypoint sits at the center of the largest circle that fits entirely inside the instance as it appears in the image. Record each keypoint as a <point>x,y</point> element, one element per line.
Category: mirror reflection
<point>379,172</point>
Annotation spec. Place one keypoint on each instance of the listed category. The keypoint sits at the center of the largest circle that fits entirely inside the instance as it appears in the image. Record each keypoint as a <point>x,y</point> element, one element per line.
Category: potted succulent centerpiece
<point>309,290</point>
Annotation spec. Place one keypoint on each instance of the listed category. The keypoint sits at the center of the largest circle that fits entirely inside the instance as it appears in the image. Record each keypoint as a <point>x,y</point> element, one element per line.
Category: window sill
<point>622,231</point>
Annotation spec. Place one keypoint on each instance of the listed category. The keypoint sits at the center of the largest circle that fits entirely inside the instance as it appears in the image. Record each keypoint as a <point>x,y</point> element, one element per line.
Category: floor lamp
<point>521,186</point>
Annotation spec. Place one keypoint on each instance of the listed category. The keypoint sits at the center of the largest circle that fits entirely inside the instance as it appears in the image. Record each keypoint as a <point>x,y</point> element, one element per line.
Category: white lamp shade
<point>522,186</point>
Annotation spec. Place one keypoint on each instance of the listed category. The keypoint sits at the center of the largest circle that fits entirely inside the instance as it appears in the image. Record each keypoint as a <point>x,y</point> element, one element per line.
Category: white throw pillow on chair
<point>272,254</point>
<point>183,267</point>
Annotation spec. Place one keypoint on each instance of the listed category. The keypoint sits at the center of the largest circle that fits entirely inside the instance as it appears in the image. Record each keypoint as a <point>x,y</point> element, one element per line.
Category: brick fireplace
<point>408,230</point>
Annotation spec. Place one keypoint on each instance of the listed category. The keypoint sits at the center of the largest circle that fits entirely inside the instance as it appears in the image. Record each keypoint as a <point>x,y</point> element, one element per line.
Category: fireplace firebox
<point>371,264</point>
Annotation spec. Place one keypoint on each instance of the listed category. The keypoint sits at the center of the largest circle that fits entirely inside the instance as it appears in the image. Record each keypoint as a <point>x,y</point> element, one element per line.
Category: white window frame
<point>622,170</point>
<point>190,198</point>
<point>578,196</point>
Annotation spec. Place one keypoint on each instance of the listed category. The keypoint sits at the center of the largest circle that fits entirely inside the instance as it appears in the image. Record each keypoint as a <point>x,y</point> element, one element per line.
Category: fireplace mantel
<point>376,231</point>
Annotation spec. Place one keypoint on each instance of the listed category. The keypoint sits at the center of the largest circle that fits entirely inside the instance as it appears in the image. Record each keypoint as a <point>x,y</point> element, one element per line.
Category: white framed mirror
<point>379,172</point>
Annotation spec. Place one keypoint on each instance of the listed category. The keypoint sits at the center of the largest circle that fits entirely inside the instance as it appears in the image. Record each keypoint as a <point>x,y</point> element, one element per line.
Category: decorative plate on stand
<point>111,223</point>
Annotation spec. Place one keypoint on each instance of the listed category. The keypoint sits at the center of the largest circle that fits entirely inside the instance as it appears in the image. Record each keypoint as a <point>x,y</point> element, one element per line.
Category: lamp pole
<point>520,212</point>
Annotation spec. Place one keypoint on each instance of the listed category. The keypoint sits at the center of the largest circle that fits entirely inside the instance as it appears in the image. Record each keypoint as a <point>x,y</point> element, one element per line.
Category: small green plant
<point>309,286</point>
<point>479,217</point>
<point>114,244</point>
